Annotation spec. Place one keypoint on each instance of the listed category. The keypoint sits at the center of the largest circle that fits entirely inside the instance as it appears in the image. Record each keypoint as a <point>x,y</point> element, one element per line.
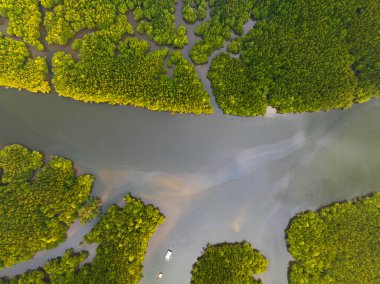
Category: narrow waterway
<point>216,178</point>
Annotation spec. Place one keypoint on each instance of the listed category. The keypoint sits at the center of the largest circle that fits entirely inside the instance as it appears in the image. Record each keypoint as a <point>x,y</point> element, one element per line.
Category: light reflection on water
<point>216,178</point>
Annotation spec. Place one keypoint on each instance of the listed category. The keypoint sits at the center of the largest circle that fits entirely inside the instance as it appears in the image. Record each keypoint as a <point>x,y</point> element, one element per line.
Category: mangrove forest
<point>338,243</point>
<point>228,263</point>
<point>122,236</point>
<point>39,202</point>
<point>295,56</point>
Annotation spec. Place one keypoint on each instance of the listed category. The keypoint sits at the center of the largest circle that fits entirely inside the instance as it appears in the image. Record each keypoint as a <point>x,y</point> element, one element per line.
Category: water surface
<point>216,178</point>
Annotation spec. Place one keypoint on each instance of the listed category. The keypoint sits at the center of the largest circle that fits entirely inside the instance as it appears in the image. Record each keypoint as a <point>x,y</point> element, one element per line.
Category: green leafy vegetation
<point>18,70</point>
<point>157,19</point>
<point>228,263</point>
<point>38,203</point>
<point>235,92</point>
<point>60,270</point>
<point>127,73</point>
<point>226,16</point>
<point>263,9</point>
<point>34,276</point>
<point>336,244</point>
<point>73,16</point>
<point>158,22</point>
<point>235,46</point>
<point>49,3</point>
<point>24,20</point>
<point>194,10</point>
<point>90,210</point>
<point>63,269</point>
<point>122,235</point>
<point>303,56</point>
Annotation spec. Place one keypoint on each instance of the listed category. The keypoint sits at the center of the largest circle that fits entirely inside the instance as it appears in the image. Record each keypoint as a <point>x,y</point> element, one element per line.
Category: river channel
<point>216,178</point>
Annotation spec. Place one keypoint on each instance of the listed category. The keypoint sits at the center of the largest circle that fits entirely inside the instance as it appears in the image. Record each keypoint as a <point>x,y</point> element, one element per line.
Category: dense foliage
<point>263,9</point>
<point>226,263</point>
<point>157,19</point>
<point>235,91</point>
<point>226,16</point>
<point>90,210</point>
<point>24,20</point>
<point>159,22</point>
<point>60,270</point>
<point>69,17</point>
<point>38,203</point>
<point>30,277</point>
<point>300,56</point>
<point>336,244</point>
<point>122,236</point>
<point>63,269</point>
<point>127,73</point>
<point>17,70</point>
<point>194,10</point>
<point>306,56</point>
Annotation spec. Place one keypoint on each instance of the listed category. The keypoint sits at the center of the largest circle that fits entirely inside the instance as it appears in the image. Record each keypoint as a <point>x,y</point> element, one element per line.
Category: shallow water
<point>216,178</point>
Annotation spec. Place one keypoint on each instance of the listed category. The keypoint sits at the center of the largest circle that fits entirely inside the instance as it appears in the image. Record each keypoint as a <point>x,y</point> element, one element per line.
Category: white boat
<point>168,255</point>
<point>159,275</point>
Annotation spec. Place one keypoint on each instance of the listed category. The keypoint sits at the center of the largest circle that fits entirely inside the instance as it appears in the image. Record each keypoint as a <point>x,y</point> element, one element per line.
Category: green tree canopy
<point>66,18</point>
<point>133,76</point>
<point>303,56</point>
<point>122,235</point>
<point>61,270</point>
<point>90,210</point>
<point>24,20</point>
<point>226,16</point>
<point>228,263</point>
<point>194,10</point>
<point>18,70</point>
<point>337,244</point>
<point>38,202</point>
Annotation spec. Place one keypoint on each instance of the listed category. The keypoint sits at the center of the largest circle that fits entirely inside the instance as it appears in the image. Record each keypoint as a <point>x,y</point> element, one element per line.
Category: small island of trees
<point>194,10</point>
<point>38,202</point>
<point>338,243</point>
<point>122,235</point>
<point>226,263</point>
